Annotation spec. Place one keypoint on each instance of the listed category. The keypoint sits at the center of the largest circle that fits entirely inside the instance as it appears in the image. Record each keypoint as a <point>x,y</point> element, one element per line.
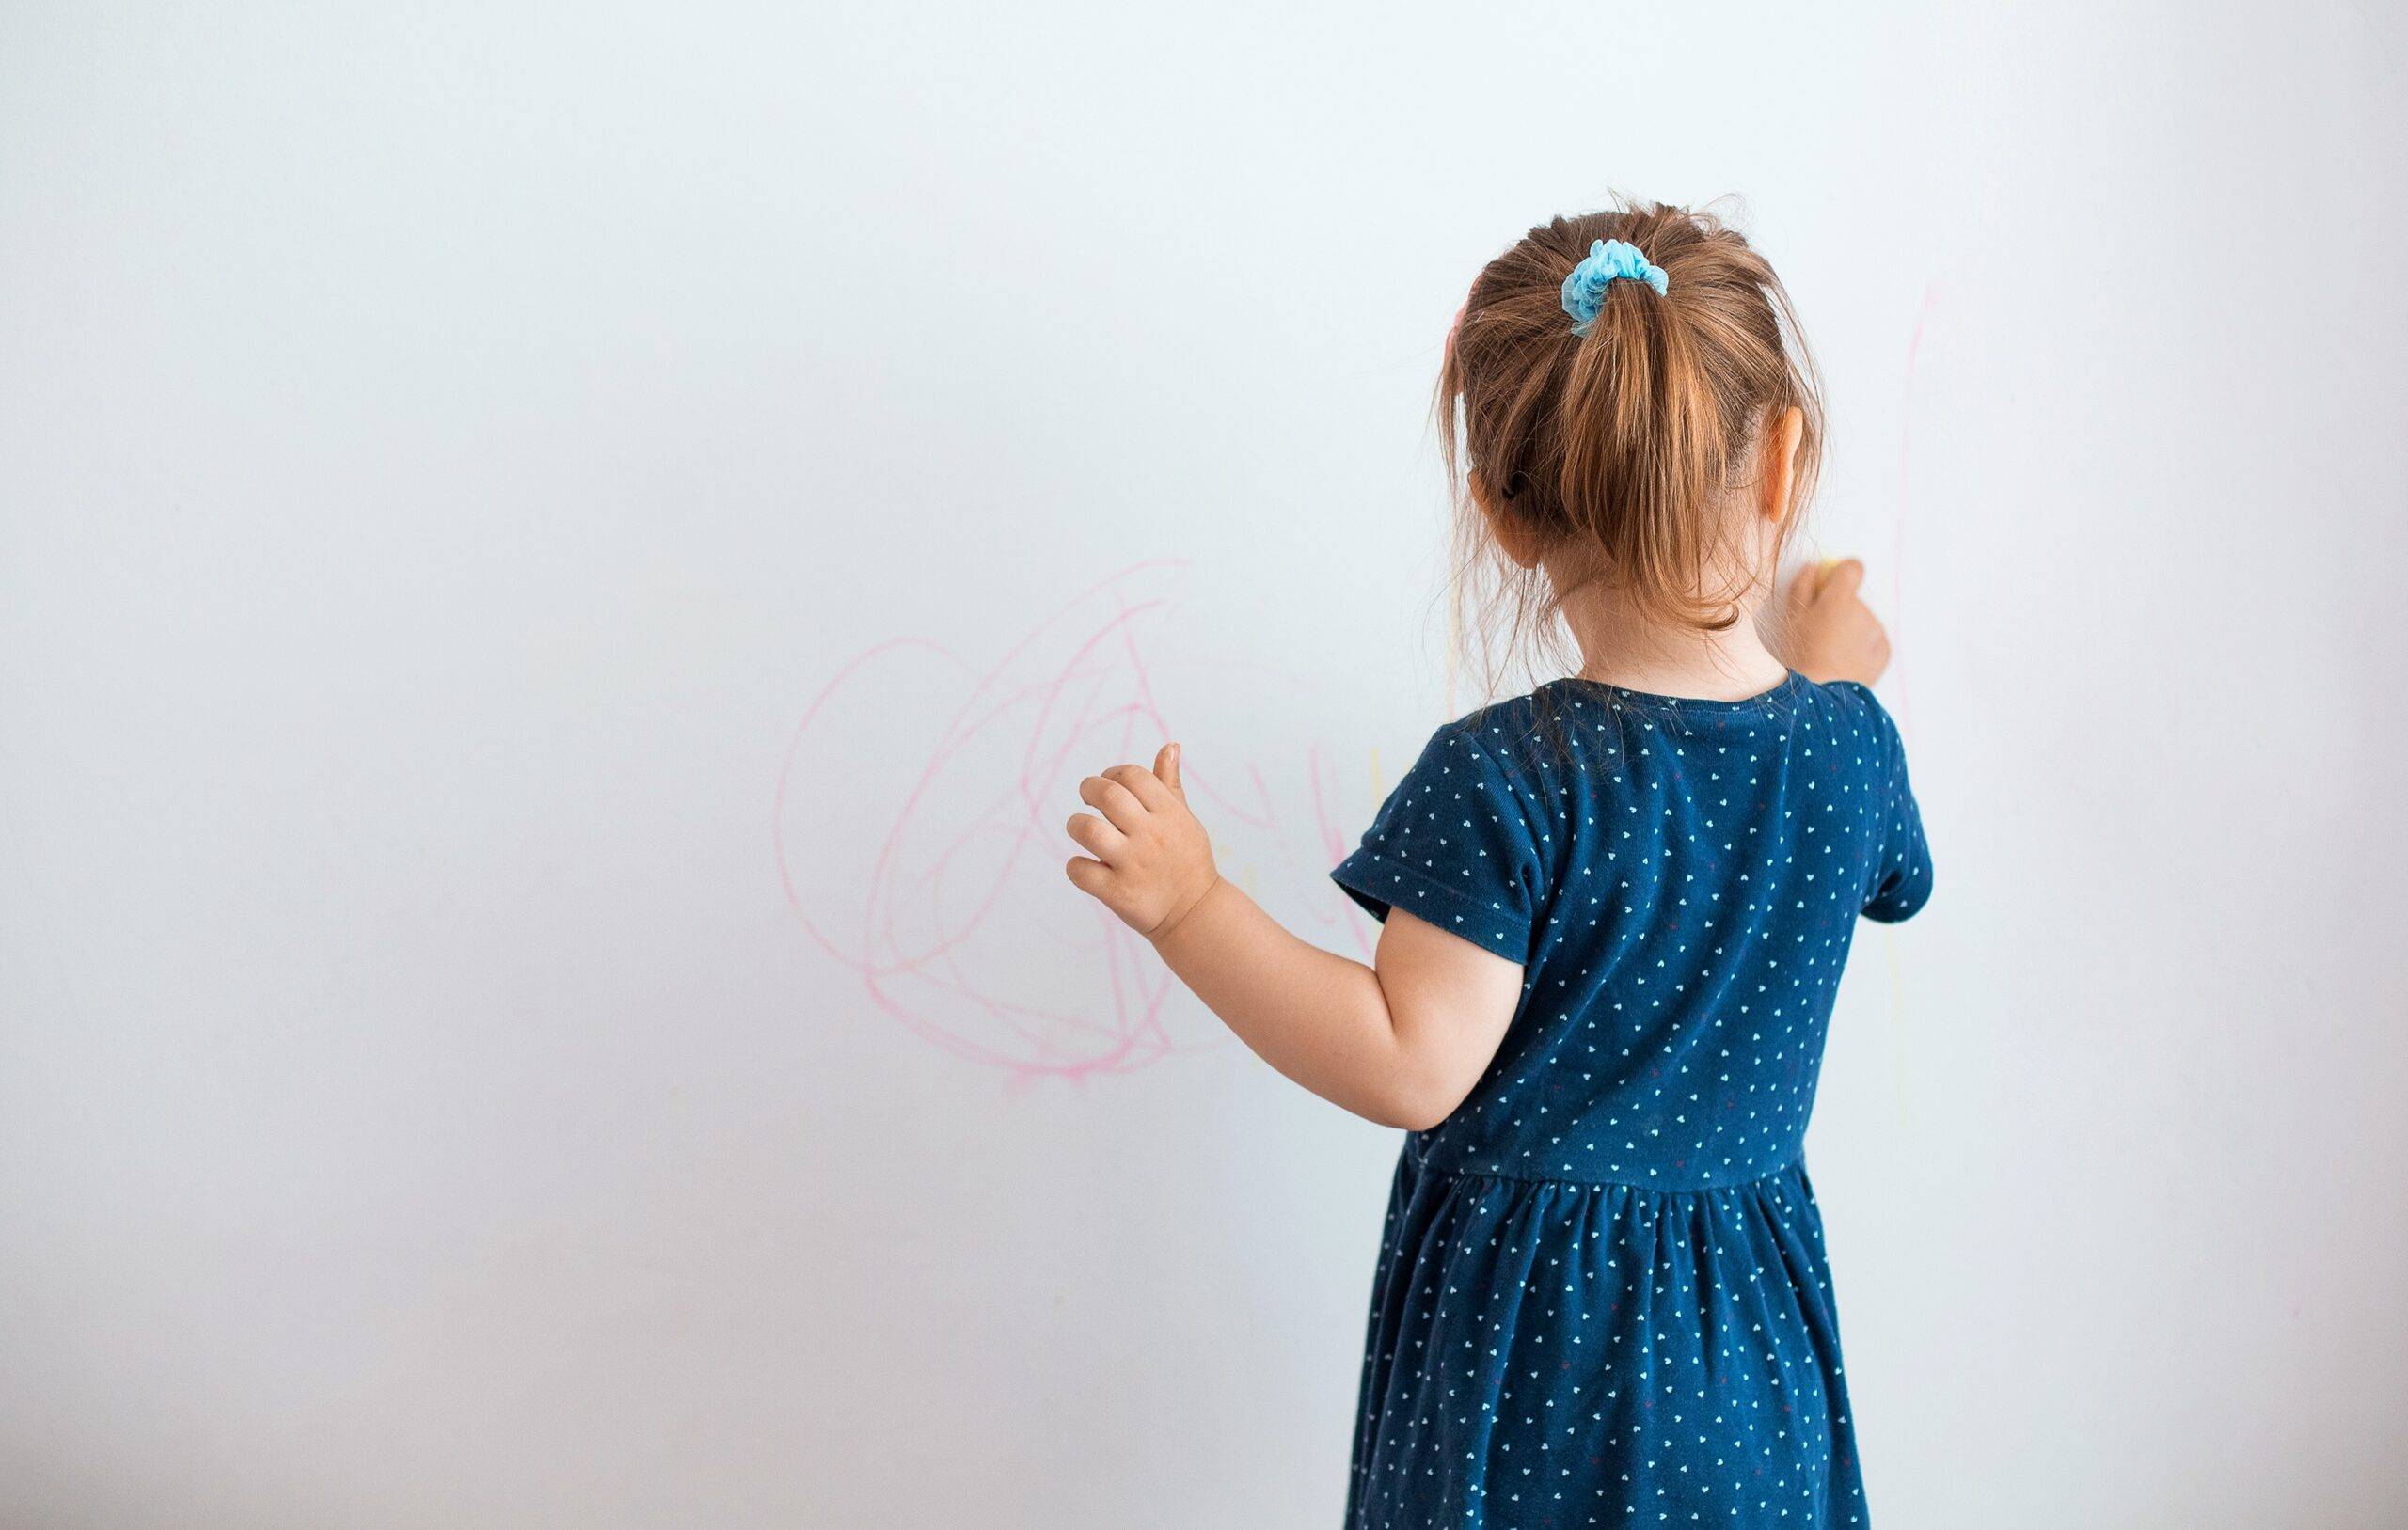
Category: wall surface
<point>561,562</point>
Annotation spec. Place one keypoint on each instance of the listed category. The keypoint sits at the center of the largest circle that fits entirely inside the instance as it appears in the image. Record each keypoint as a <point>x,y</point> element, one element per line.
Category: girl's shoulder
<point>1497,727</point>
<point>1854,706</point>
<point>1854,695</point>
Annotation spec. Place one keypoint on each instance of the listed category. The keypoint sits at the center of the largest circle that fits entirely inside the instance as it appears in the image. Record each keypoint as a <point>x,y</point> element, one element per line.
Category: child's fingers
<point>1088,876</point>
<point>1117,802</point>
<point>1167,770</point>
<point>1096,836</point>
<point>1805,586</point>
<point>1143,784</point>
<point>1842,579</point>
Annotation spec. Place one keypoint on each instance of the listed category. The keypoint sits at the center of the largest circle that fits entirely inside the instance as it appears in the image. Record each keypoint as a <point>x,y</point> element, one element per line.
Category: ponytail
<point>1607,381</point>
<point>1642,451</point>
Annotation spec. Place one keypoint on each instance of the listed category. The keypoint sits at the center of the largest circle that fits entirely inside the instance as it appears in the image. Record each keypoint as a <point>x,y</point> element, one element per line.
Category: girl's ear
<point>1516,541</point>
<point>1784,434</point>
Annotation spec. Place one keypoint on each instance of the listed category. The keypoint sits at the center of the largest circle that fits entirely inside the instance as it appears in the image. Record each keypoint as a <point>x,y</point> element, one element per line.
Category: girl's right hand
<point>1147,859</point>
<point>1827,632</point>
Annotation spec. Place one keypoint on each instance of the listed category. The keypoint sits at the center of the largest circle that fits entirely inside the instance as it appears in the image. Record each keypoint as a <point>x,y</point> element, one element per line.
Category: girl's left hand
<point>1148,859</point>
<point>1827,631</point>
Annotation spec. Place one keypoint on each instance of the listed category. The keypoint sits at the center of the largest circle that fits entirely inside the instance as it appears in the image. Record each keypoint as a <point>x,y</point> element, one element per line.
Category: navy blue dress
<point>1602,1296</point>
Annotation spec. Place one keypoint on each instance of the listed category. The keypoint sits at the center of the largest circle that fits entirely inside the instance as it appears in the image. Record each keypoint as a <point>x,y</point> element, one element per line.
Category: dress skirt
<point>1545,1353</point>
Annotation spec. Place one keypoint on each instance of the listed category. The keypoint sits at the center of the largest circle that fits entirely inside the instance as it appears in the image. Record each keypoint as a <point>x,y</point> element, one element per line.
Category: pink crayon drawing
<point>930,866</point>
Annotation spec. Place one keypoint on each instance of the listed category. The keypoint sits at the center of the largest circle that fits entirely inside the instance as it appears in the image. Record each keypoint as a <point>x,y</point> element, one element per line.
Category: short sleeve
<point>1901,880</point>
<point>1452,846</point>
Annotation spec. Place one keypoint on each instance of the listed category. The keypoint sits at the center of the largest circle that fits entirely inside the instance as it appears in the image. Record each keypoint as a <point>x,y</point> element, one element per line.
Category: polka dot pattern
<point>1601,1298</point>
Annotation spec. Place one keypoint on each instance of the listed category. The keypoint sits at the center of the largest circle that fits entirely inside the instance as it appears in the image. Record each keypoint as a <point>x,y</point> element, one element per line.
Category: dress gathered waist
<point>1423,1159</point>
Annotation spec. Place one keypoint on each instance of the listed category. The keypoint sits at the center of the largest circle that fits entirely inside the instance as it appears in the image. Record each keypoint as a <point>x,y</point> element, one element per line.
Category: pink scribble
<point>968,934</point>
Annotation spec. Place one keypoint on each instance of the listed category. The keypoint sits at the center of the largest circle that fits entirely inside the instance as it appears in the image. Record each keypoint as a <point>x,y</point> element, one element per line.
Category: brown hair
<point>1623,444</point>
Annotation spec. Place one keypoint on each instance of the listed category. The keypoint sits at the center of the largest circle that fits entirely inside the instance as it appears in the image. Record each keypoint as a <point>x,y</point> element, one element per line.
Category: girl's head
<point>1657,454</point>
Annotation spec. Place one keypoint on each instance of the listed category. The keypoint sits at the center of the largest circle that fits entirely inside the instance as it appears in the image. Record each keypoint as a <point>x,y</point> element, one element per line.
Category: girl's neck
<point>1620,648</point>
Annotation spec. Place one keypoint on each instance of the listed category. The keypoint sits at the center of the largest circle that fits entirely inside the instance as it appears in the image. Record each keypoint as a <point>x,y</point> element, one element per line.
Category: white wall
<point>445,450</point>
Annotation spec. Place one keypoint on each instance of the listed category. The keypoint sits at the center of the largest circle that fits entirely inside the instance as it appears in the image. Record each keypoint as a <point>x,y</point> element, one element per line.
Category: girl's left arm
<point>1400,1041</point>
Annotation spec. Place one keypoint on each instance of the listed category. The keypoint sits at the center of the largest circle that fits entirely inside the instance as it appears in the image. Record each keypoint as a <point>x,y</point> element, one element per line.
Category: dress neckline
<point>1781,690</point>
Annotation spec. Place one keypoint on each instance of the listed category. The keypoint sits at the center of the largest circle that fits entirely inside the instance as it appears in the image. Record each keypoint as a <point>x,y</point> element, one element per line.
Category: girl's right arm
<point>1400,1042</point>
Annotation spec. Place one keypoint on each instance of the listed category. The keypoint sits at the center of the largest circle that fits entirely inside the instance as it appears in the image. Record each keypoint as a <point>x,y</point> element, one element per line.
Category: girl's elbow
<point>1399,1115</point>
<point>1421,1104</point>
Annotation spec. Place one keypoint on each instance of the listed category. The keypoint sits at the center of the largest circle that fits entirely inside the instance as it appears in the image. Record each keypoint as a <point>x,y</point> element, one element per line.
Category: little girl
<point>1614,912</point>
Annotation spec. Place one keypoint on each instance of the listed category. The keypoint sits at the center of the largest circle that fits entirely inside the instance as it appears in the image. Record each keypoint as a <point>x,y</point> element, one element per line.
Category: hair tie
<point>1584,291</point>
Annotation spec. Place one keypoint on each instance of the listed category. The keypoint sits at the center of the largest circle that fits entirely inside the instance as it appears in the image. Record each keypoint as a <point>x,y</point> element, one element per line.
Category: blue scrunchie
<point>1584,291</point>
